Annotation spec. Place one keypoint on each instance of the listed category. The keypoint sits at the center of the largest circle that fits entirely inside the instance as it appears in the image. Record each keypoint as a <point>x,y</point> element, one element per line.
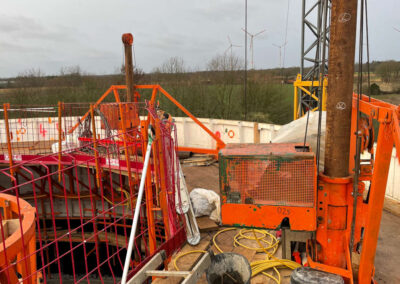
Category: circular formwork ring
<point>21,210</point>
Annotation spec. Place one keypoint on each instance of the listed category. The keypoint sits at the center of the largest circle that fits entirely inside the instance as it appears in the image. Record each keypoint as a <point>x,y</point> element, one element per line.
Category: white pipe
<point>137,213</point>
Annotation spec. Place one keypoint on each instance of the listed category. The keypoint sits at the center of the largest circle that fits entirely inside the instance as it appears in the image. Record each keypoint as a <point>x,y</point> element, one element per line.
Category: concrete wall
<point>189,135</point>
<point>230,131</point>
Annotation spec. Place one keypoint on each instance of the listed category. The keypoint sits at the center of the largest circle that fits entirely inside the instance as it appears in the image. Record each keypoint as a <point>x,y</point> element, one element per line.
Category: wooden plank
<point>256,133</point>
<point>247,253</point>
<point>225,241</point>
<point>206,224</point>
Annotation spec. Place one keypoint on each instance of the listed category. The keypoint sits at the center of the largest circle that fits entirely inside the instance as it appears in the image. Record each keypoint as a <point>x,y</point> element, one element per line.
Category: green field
<point>208,94</point>
<point>266,102</point>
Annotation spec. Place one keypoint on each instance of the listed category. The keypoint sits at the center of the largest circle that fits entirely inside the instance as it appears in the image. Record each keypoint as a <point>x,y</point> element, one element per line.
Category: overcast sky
<point>50,34</point>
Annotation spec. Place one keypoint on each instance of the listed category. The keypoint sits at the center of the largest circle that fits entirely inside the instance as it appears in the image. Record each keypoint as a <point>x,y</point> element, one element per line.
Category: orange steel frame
<point>162,190</point>
<point>156,90</point>
<point>157,148</point>
<point>335,200</point>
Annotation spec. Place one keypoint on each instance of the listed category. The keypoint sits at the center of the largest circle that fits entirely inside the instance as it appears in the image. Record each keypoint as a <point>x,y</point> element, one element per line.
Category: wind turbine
<point>397,30</point>
<point>231,46</point>
<point>280,52</point>
<point>252,36</point>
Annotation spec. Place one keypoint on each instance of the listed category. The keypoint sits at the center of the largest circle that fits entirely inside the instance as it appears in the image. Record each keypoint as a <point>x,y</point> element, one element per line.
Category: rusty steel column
<point>127,40</point>
<point>340,87</point>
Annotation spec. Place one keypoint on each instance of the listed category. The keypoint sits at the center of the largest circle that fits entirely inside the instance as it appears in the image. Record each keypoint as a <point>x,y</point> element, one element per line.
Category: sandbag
<point>206,203</point>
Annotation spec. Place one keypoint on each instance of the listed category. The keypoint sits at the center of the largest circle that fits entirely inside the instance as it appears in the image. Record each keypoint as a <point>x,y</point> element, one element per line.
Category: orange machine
<point>266,185</point>
<point>340,236</point>
<point>274,180</point>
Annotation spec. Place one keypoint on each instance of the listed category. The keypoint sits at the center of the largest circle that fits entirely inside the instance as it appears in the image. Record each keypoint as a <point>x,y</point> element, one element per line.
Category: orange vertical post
<point>149,192</point>
<point>96,154</point>
<point>125,138</point>
<point>8,136</point>
<point>164,192</point>
<point>59,140</point>
<point>375,203</point>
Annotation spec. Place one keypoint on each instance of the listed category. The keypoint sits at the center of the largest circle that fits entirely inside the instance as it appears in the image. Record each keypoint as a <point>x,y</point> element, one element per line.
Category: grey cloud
<point>49,34</point>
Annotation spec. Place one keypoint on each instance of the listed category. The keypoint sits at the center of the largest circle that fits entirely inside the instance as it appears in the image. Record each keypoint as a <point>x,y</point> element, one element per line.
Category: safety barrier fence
<point>37,134</point>
<point>67,215</point>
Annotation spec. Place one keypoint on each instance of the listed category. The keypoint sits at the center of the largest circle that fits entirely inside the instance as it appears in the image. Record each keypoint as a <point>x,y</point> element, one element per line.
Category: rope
<point>286,32</point>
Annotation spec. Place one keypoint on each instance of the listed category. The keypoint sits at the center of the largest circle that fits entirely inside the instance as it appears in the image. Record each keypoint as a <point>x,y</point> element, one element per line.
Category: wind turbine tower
<point>231,46</point>
<point>280,52</point>
<point>252,36</point>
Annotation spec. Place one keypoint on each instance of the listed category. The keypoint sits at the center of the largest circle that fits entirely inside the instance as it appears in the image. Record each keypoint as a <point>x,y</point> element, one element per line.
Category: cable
<point>260,266</point>
<point>186,253</point>
<point>286,32</point>
<point>358,138</point>
<point>367,38</point>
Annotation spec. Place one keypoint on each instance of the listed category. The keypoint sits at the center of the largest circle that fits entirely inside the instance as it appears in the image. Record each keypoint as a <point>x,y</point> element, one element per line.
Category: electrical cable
<point>367,38</point>
<point>286,32</point>
<point>358,137</point>
<point>321,81</point>
<point>260,266</point>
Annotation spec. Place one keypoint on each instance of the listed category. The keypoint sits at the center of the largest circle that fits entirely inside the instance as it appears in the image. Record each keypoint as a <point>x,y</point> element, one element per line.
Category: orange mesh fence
<point>288,182</point>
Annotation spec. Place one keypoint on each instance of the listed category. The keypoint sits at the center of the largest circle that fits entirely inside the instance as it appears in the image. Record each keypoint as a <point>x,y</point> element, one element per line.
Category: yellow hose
<point>260,266</point>
<point>186,253</point>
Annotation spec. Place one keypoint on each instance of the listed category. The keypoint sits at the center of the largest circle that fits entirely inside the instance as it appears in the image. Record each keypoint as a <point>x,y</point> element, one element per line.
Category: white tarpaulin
<point>294,132</point>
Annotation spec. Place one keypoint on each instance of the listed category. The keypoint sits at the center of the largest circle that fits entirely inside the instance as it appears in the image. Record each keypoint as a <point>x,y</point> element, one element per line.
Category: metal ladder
<point>150,270</point>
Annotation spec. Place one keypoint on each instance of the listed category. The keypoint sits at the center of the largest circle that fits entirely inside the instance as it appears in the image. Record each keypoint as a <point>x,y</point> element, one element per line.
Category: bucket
<point>228,268</point>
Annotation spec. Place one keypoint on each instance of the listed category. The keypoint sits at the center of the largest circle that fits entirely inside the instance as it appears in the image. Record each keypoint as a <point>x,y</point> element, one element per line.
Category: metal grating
<point>278,181</point>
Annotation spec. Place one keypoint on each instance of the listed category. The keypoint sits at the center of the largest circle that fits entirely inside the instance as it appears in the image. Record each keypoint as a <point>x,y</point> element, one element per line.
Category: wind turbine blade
<point>227,49</point>
<point>246,32</point>
<point>259,33</point>
<point>235,45</point>
<point>285,43</point>
<point>397,30</point>
<point>229,39</point>
<point>278,46</point>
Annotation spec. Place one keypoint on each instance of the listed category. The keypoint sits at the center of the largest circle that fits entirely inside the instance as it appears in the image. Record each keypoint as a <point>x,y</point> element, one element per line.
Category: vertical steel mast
<point>127,40</point>
<point>340,87</point>
<point>314,45</point>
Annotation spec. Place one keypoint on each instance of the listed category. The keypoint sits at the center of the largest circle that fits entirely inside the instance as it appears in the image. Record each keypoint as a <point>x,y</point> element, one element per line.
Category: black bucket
<point>228,268</point>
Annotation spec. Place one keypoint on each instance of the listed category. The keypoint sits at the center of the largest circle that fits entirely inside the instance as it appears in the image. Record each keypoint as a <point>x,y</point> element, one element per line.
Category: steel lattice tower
<point>314,48</point>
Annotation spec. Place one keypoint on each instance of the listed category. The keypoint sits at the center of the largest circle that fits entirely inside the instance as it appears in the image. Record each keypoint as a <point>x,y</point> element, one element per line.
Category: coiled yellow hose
<point>260,266</point>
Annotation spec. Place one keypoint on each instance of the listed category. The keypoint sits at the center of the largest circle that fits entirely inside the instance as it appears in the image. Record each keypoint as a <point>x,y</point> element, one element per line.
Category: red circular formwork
<point>15,243</point>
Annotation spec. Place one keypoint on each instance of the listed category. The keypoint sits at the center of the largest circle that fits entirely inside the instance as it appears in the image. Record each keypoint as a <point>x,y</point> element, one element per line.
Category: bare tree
<point>71,71</point>
<point>173,65</point>
<point>31,78</point>
<point>225,62</point>
<point>224,69</point>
